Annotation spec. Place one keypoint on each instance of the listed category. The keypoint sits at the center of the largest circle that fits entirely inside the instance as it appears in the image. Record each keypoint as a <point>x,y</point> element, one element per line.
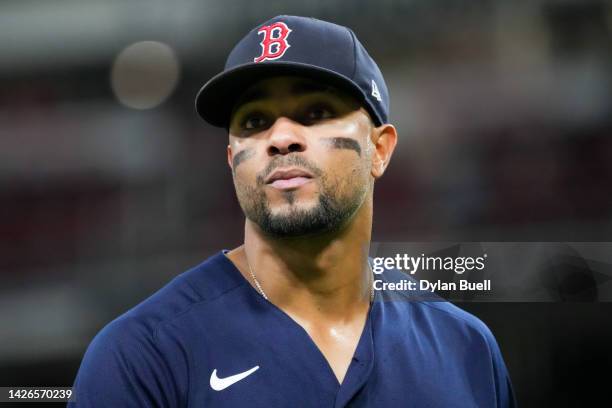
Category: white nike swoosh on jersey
<point>219,384</point>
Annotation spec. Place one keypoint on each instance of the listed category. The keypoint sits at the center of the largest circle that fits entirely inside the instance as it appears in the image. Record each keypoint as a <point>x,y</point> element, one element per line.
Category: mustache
<point>285,161</point>
<point>294,159</point>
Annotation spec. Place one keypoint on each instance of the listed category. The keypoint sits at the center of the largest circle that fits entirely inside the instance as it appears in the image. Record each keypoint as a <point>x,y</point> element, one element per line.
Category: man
<point>290,318</point>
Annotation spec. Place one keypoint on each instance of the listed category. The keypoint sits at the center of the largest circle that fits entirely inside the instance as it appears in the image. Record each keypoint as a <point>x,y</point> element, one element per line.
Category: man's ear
<point>230,156</point>
<point>384,139</point>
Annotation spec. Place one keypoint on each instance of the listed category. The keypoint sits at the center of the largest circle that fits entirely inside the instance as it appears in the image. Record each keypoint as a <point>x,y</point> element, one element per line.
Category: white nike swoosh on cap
<point>219,384</point>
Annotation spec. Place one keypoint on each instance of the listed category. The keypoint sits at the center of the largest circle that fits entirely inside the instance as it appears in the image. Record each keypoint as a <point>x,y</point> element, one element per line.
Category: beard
<point>336,204</point>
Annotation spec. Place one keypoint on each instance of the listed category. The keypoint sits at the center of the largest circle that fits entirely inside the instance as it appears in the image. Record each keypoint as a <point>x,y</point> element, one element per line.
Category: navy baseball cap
<point>293,45</point>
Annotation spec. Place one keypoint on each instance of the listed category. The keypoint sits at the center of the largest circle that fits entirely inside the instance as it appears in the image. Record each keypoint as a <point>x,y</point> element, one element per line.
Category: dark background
<point>110,184</point>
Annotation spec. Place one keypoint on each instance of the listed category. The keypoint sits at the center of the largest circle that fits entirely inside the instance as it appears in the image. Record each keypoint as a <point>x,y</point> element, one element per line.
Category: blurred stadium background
<point>110,184</point>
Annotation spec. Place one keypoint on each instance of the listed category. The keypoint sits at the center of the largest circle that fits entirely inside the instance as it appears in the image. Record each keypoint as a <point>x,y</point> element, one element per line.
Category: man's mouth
<point>285,179</point>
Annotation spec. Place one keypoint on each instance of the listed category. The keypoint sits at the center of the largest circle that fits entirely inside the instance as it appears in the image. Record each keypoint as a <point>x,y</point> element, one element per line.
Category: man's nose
<point>286,136</point>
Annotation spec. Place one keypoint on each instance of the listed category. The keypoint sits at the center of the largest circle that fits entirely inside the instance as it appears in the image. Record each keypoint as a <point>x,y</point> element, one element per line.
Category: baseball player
<point>290,318</point>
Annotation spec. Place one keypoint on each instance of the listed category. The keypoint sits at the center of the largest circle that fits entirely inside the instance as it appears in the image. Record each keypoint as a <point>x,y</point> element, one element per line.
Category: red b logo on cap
<point>274,43</point>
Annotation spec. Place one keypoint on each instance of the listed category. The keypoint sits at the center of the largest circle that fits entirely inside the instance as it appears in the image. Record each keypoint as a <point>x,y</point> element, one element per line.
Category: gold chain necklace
<point>261,291</point>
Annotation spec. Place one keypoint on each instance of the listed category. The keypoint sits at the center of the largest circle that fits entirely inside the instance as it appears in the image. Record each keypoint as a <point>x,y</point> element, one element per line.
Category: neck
<point>326,274</point>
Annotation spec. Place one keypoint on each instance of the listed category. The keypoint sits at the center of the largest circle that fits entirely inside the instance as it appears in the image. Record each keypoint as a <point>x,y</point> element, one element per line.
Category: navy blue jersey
<point>209,339</point>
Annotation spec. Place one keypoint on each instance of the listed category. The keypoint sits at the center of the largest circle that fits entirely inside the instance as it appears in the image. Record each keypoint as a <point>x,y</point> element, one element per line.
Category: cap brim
<point>216,99</point>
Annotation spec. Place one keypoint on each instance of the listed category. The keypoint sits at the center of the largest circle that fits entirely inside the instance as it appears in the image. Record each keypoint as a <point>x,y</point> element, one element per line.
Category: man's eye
<point>254,122</point>
<point>319,113</point>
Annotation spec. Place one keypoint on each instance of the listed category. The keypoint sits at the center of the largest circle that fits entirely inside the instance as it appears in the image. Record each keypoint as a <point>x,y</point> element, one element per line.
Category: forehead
<point>287,86</point>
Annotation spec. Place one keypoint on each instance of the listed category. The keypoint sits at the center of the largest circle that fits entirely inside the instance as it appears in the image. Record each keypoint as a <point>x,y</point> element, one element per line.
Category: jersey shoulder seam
<point>190,307</point>
<point>474,323</point>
